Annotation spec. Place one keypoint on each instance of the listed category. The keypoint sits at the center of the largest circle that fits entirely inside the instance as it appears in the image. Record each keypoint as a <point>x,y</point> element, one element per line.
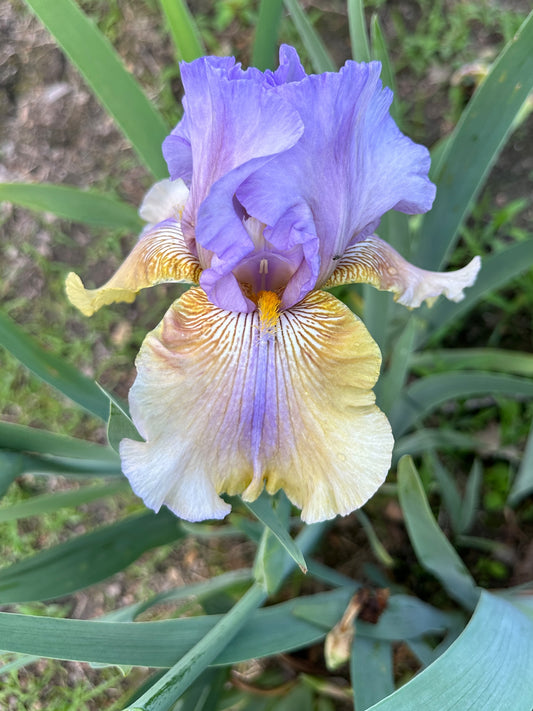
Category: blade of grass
<point>52,369</point>
<point>85,206</point>
<point>188,43</point>
<point>475,145</point>
<point>358,33</point>
<point>428,393</point>
<point>118,91</point>
<point>266,34</point>
<point>318,54</point>
<point>433,550</point>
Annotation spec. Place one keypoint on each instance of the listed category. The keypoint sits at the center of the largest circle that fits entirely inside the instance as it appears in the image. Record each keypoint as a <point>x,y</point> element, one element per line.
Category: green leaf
<point>269,631</point>
<point>31,439</point>
<point>201,591</point>
<point>205,693</point>
<point>318,54</point>
<point>378,549</point>
<point>11,466</point>
<point>73,204</point>
<point>390,385</point>
<point>470,503</point>
<point>489,667</point>
<point>358,33</point>
<point>88,49</point>
<point>52,369</point>
<point>496,271</point>
<point>19,662</point>
<point>428,393</point>
<point>86,559</point>
<point>511,362</point>
<point>370,671</point>
<point>449,492</point>
<point>299,698</point>
<point>404,617</point>
<point>167,690</point>
<point>480,135</point>
<point>48,503</point>
<point>433,550</point>
<point>429,439</point>
<point>183,29</point>
<point>120,425</point>
<point>381,53</point>
<point>266,34</point>
<point>265,509</point>
<point>45,465</point>
<point>523,483</point>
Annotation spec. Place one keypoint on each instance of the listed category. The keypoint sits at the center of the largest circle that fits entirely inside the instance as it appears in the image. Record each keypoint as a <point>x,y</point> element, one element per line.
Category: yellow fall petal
<point>159,256</point>
<point>373,261</point>
<point>230,402</point>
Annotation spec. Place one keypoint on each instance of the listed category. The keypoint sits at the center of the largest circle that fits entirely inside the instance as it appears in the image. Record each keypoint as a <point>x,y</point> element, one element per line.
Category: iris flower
<point>257,377</point>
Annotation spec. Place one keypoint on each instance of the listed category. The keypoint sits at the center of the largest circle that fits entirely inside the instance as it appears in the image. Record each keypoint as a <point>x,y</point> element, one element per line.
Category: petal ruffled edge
<point>226,408</point>
<point>373,261</point>
<point>160,256</point>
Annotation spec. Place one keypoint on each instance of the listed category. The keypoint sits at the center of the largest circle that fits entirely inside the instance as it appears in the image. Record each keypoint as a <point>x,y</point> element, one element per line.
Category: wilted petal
<point>159,256</point>
<point>228,403</point>
<point>375,262</point>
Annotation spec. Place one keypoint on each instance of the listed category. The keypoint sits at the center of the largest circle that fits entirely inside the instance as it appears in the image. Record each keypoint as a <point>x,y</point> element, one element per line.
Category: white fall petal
<point>224,407</point>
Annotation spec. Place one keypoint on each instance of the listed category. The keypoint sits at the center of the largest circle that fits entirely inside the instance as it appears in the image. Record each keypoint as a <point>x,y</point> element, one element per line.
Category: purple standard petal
<point>235,126</point>
<point>351,165</point>
<point>290,67</point>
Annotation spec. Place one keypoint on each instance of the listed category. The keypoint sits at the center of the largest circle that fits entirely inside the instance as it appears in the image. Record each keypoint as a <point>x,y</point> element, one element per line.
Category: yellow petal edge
<point>160,256</point>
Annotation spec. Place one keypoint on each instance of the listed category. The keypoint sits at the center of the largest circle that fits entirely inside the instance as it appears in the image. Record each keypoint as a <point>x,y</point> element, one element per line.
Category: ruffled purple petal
<point>290,67</point>
<point>351,165</point>
<point>235,124</point>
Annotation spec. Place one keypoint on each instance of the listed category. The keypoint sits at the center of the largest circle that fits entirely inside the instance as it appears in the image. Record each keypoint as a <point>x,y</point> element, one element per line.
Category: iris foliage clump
<point>470,645</point>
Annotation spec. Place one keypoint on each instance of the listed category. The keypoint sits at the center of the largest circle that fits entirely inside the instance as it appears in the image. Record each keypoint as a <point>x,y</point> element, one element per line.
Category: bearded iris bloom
<point>256,377</point>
